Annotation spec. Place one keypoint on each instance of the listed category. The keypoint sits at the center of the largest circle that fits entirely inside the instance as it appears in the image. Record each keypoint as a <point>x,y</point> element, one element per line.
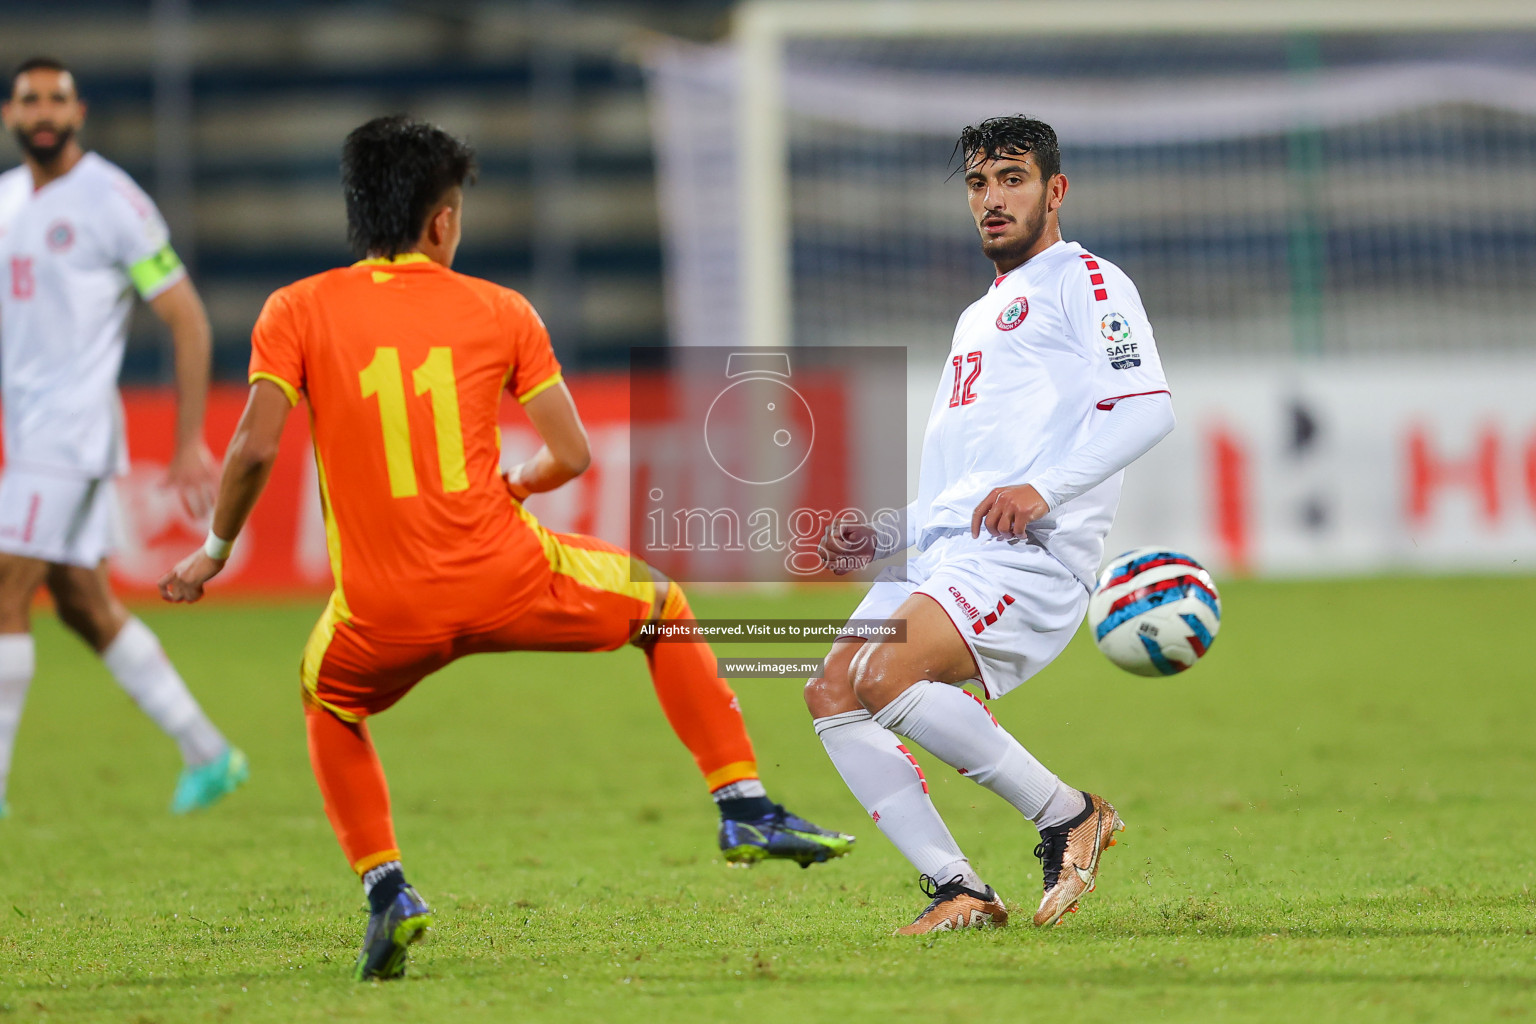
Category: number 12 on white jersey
<point>964,393</point>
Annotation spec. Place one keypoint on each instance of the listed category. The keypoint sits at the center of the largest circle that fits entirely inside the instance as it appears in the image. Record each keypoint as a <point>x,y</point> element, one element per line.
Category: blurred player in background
<point>77,238</point>
<point>404,363</point>
<point>1052,388</point>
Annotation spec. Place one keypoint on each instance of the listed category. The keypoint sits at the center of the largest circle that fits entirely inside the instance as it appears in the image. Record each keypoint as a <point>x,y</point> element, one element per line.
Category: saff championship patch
<point>1013,314</point>
<point>1122,351</point>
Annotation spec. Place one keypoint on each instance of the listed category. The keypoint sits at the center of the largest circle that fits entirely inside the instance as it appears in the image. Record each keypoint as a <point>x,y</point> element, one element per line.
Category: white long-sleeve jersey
<point>1035,367</point>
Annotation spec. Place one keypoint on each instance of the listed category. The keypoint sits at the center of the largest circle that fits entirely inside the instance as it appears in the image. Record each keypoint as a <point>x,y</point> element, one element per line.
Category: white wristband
<point>216,547</point>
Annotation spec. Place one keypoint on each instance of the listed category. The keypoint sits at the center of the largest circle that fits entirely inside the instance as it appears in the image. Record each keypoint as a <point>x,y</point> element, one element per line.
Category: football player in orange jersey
<point>434,556</point>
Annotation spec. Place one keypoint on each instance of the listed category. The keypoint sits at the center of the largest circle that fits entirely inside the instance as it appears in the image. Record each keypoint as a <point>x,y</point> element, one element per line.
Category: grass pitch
<point>1329,819</point>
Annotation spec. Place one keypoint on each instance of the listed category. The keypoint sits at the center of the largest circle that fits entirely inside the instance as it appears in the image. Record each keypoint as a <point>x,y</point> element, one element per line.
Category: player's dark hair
<point>393,171</point>
<point>1012,135</point>
<point>38,64</point>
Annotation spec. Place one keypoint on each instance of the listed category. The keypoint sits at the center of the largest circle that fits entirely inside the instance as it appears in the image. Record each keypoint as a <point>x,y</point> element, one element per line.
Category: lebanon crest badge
<point>1013,314</point>
<point>61,235</point>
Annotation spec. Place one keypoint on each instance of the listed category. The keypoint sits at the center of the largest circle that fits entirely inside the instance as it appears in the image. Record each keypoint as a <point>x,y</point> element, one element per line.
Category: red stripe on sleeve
<point>1107,404</point>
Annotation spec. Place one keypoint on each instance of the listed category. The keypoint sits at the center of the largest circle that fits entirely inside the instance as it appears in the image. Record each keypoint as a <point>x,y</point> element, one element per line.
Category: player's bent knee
<point>863,685</point>
<point>670,603</point>
<point>840,659</point>
<point>875,677</point>
<point>829,692</point>
<point>826,696</point>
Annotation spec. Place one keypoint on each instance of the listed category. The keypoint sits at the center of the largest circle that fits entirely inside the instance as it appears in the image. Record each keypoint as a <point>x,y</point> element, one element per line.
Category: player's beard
<point>44,155</point>
<point>1015,248</point>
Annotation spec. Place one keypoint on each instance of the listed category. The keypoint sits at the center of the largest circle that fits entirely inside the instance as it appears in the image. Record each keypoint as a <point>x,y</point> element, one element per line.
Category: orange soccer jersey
<point>404,362</point>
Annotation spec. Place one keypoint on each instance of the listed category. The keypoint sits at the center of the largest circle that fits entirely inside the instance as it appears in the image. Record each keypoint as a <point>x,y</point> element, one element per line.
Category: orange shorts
<point>590,603</point>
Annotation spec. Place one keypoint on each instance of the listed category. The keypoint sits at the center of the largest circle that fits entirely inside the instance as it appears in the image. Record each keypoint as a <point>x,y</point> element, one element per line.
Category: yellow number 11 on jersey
<point>383,378</point>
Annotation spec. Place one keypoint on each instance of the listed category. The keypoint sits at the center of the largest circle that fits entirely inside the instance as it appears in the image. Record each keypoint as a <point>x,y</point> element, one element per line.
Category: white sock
<point>140,667</point>
<point>1064,805</point>
<point>373,876</point>
<point>18,660</point>
<point>886,780</point>
<point>962,733</point>
<point>970,879</point>
<point>746,789</point>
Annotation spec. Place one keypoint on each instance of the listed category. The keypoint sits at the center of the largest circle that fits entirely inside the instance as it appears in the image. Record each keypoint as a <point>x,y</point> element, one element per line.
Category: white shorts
<point>1015,604</point>
<point>57,518</point>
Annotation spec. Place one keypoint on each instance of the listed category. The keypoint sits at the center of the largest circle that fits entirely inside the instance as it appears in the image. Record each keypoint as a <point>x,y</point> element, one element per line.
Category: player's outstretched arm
<point>247,465</point>
<point>566,453</point>
<point>192,472</point>
<point>1135,424</point>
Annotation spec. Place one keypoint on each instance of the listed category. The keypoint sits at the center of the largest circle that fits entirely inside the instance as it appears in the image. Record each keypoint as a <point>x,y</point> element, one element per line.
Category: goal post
<point>765,30</point>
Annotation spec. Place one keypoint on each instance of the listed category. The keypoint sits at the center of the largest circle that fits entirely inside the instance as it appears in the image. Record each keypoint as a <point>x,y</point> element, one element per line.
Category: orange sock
<point>701,707</point>
<point>352,784</point>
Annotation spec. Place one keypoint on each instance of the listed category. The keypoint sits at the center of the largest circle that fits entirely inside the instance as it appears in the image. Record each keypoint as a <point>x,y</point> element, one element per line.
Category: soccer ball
<point>1154,612</point>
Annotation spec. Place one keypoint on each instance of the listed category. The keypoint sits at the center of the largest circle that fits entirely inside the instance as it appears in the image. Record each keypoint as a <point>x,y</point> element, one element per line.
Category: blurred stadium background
<point>232,116</point>
<point>1330,210</point>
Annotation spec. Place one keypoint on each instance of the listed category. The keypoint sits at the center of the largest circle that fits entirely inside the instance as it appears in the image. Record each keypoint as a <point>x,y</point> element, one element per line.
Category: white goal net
<point>1313,191</point>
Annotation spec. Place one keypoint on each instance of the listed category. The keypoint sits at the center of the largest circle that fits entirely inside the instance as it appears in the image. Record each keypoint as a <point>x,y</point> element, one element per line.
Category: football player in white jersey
<point>77,239</point>
<point>1052,387</point>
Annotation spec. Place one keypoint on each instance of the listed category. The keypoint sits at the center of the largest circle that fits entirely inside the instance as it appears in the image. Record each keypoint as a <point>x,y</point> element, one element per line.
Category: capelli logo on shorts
<point>965,606</point>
